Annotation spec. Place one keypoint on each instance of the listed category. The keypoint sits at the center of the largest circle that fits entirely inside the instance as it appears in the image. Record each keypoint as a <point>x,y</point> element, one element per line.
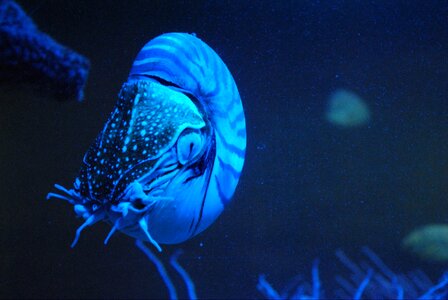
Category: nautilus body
<point>169,158</point>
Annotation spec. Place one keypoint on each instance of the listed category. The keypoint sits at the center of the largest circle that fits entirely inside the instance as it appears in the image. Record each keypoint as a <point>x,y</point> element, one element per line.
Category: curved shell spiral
<point>170,156</point>
<point>190,64</point>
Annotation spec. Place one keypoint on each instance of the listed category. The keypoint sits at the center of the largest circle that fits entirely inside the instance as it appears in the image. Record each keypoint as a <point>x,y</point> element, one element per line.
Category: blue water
<point>307,188</point>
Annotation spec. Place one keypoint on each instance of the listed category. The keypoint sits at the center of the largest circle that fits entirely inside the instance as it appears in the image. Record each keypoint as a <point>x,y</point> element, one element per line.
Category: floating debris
<point>346,109</point>
<point>430,243</point>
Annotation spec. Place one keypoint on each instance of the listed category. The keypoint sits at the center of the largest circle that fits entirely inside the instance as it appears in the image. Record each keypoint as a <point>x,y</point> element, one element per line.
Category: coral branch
<point>28,55</point>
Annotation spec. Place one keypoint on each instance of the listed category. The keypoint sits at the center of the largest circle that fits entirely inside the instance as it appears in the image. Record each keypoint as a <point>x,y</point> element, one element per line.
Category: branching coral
<point>370,279</point>
<point>28,55</point>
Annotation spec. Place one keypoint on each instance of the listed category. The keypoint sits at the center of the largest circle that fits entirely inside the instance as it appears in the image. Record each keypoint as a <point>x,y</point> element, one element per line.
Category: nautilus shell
<point>170,156</point>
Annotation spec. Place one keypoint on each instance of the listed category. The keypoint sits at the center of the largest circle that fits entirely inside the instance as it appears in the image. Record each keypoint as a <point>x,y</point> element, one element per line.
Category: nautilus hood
<point>145,124</point>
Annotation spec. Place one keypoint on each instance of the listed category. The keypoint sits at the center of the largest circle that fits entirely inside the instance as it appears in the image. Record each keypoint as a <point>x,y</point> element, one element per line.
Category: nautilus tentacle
<point>188,63</point>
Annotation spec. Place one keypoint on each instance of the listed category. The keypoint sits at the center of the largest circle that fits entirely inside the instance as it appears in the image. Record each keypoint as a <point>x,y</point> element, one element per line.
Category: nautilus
<point>169,158</point>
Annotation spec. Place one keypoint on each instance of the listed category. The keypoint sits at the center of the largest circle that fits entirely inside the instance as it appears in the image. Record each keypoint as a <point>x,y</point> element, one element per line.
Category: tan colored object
<point>346,109</point>
<point>429,242</point>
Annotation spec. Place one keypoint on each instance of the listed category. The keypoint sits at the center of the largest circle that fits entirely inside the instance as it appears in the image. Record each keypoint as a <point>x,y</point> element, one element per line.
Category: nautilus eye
<point>189,145</point>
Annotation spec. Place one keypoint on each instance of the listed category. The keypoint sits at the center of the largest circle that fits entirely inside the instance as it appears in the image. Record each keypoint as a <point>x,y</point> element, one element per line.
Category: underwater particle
<point>429,242</point>
<point>346,109</point>
<point>32,57</point>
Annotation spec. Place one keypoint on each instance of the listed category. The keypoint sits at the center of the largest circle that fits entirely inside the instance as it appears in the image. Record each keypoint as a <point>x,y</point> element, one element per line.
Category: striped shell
<point>169,158</point>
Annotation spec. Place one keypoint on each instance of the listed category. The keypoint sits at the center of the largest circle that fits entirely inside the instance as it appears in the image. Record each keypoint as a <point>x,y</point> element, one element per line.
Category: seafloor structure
<point>28,56</point>
<point>370,279</point>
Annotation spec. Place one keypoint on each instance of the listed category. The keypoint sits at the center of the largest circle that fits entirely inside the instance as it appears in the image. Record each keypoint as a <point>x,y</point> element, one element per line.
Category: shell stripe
<point>224,198</point>
<point>149,52</point>
<point>171,64</point>
<point>229,168</point>
<point>241,133</point>
<point>231,147</point>
<point>238,119</point>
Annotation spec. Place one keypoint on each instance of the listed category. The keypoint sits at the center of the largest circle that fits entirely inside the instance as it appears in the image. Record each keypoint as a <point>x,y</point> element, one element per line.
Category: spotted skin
<point>170,156</point>
<point>147,121</point>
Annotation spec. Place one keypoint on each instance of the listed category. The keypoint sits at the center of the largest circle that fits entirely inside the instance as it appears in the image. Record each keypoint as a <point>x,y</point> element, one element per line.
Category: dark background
<point>307,189</point>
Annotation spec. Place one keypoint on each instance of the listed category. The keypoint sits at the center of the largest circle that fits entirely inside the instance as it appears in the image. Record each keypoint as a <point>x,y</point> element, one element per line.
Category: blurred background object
<point>30,57</point>
<point>429,243</point>
<point>346,109</point>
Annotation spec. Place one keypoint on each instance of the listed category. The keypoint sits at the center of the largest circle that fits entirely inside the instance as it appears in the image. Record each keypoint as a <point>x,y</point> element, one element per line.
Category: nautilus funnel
<point>170,156</point>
